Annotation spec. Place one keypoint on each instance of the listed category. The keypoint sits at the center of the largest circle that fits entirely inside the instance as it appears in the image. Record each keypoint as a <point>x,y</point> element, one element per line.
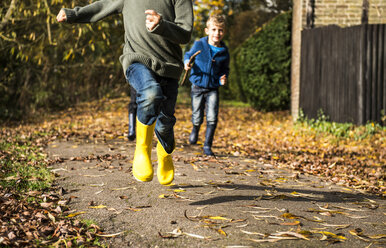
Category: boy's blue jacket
<point>208,68</point>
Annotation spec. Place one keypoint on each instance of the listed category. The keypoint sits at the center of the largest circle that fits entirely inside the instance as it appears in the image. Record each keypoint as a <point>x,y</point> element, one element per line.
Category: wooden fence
<point>343,73</point>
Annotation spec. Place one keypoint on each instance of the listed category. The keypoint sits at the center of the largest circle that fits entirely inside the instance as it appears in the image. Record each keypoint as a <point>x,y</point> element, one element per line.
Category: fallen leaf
<point>295,223</point>
<point>220,231</point>
<point>218,218</point>
<point>75,214</point>
<point>337,227</point>
<point>124,188</point>
<point>109,235</point>
<point>98,207</point>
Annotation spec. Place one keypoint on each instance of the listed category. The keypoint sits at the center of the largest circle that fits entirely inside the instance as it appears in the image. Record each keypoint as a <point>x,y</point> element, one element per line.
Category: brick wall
<point>377,11</point>
<point>343,13</point>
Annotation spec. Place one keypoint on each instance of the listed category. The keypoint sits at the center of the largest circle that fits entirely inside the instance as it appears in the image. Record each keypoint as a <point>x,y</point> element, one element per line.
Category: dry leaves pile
<point>40,220</point>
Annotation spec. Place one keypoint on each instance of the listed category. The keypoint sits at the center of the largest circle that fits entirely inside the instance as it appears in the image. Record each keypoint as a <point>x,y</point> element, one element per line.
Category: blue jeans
<point>204,100</point>
<point>156,101</point>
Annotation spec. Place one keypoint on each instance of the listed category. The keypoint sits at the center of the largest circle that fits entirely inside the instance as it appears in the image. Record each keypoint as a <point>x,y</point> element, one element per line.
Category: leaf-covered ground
<point>271,138</point>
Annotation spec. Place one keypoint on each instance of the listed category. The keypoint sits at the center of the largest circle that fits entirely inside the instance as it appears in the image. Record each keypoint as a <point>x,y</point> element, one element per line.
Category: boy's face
<point>215,33</point>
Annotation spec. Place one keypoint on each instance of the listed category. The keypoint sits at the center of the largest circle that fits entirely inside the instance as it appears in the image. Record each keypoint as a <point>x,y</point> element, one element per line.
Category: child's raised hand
<point>152,19</point>
<point>61,17</point>
<point>223,79</point>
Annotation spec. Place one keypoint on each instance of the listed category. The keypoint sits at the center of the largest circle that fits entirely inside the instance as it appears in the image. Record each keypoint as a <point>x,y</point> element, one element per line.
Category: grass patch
<point>88,222</point>
<point>233,103</point>
<point>322,125</point>
<point>22,166</point>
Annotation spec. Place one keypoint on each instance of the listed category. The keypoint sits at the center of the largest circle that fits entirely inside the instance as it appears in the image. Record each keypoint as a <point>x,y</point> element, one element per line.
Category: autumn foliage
<point>47,65</point>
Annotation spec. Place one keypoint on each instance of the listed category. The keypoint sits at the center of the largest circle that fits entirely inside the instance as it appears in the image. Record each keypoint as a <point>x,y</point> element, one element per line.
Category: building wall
<point>343,13</point>
<point>377,12</point>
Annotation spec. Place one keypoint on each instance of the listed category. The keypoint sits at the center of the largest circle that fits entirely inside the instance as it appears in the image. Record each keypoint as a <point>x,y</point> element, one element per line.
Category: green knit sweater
<point>158,49</point>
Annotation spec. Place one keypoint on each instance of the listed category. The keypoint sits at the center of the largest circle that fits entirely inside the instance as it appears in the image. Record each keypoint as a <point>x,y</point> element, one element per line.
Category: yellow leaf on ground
<point>75,214</point>
<point>377,236</point>
<point>290,216</point>
<point>179,190</point>
<point>163,196</point>
<point>218,218</point>
<point>333,235</point>
<point>220,231</point>
<point>99,206</point>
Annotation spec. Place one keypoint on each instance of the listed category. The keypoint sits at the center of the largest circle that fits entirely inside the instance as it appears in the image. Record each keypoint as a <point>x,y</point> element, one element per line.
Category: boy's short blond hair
<point>216,19</point>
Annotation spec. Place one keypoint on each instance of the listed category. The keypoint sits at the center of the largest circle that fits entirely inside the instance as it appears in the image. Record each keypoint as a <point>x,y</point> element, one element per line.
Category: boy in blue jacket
<point>208,73</point>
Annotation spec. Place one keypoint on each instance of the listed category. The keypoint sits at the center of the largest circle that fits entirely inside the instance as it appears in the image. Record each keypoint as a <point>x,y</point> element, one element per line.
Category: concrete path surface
<point>214,202</point>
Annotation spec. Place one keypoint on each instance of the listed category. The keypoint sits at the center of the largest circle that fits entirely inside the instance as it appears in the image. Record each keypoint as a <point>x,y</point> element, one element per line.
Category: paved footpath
<point>227,201</point>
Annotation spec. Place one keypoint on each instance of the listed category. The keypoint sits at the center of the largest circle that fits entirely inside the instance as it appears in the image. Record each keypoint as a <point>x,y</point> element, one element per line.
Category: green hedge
<point>261,66</point>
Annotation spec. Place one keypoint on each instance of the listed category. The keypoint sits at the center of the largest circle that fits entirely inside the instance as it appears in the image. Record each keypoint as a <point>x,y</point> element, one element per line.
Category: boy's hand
<point>223,79</point>
<point>152,19</point>
<point>61,17</point>
<point>187,66</point>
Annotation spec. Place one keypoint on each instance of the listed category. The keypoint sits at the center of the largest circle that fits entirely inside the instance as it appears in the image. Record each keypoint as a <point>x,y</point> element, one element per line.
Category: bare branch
<point>48,22</point>
<point>8,14</point>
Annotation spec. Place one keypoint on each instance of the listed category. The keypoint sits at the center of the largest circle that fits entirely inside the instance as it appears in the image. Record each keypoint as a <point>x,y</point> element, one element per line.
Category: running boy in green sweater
<point>152,63</point>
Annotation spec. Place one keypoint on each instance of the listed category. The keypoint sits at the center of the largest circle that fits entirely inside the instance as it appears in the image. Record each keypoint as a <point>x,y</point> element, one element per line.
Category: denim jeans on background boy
<point>204,100</point>
<point>156,100</point>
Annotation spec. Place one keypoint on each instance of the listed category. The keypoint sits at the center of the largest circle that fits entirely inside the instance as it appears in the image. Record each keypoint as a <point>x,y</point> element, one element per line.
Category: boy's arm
<point>92,12</point>
<point>188,63</point>
<point>189,53</point>
<point>180,30</point>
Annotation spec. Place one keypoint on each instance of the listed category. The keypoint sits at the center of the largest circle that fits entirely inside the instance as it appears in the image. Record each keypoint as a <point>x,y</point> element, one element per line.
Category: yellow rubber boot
<point>142,167</point>
<point>165,169</point>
